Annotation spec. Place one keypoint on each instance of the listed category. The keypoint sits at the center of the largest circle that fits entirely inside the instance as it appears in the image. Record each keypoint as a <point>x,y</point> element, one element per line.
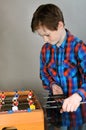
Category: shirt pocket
<point>70,68</point>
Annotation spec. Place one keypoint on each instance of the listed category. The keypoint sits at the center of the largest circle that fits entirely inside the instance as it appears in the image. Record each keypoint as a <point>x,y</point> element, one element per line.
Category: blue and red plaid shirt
<point>66,66</point>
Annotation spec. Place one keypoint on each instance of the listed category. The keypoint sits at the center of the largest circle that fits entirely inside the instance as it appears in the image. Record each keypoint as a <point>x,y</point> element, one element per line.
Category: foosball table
<point>20,110</point>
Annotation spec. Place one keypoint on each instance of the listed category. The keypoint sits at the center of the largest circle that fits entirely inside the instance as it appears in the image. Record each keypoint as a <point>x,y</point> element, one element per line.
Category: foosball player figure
<point>31,104</point>
<point>3,97</point>
<point>0,103</point>
<point>30,94</point>
<point>15,104</point>
<point>16,94</point>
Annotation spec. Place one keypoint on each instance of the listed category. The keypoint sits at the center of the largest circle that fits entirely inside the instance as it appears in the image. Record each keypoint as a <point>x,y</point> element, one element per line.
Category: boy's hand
<point>56,89</point>
<point>71,103</point>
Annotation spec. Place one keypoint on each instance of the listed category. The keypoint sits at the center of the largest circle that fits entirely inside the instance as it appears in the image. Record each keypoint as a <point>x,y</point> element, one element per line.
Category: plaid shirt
<point>66,66</point>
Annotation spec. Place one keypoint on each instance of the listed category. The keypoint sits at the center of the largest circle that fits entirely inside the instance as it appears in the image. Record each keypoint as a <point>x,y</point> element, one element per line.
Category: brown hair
<point>47,15</point>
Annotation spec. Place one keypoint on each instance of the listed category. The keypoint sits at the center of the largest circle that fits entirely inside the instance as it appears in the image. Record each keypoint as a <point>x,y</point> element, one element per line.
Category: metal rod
<point>82,102</point>
<point>48,107</point>
<point>56,96</point>
<point>56,101</point>
<point>52,107</point>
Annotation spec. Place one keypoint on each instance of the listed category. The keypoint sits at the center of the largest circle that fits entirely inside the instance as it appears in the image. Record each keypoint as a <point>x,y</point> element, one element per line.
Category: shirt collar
<point>64,43</point>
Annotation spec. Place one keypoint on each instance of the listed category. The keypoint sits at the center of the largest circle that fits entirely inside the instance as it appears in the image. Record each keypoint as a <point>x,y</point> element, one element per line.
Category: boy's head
<point>48,15</point>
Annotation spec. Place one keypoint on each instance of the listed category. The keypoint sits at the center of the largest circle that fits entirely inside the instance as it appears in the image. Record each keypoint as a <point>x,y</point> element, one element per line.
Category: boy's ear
<point>60,25</point>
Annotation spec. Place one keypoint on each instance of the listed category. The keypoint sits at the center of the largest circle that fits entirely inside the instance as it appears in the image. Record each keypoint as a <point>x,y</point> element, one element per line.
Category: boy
<point>62,63</point>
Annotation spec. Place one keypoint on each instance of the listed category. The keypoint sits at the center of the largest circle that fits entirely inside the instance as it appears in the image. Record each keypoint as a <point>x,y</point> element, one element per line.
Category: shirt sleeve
<point>47,80</point>
<point>81,49</point>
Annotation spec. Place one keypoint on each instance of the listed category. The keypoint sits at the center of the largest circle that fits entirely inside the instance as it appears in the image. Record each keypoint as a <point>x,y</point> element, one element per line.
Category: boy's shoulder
<point>46,46</point>
<point>73,38</point>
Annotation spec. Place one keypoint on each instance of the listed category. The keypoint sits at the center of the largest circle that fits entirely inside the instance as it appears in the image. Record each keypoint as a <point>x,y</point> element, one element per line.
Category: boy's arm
<point>81,55</point>
<point>47,80</point>
<point>72,103</point>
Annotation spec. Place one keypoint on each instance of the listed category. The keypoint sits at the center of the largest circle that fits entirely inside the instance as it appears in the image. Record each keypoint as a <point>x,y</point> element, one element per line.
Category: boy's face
<point>50,36</point>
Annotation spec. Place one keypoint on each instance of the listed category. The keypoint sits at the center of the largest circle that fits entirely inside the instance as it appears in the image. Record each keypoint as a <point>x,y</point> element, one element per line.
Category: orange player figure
<point>0,103</point>
<point>30,94</point>
<point>31,104</point>
<point>2,97</point>
<point>15,104</point>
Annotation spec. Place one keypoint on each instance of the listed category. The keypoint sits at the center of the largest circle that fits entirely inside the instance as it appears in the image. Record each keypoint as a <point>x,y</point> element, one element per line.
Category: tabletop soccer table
<point>20,110</point>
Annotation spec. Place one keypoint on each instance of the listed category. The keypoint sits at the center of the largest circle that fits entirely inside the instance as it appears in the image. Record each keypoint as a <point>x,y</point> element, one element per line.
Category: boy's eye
<point>47,35</point>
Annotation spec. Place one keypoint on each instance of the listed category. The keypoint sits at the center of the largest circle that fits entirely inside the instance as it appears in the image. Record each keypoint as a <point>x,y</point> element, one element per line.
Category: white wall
<point>20,48</point>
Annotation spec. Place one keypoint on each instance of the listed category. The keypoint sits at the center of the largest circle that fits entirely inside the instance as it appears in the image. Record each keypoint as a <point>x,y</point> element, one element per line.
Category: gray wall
<point>20,48</point>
